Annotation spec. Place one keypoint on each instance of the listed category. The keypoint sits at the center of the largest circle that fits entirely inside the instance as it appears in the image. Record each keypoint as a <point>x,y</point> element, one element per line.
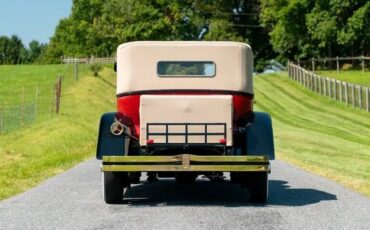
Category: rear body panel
<point>129,104</point>
<point>186,114</point>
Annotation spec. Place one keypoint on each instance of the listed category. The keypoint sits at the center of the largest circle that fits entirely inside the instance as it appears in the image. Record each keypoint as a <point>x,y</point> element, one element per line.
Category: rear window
<point>186,69</point>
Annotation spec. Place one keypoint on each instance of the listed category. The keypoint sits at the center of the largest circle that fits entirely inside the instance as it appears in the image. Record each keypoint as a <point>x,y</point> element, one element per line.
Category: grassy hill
<point>47,147</point>
<point>317,133</point>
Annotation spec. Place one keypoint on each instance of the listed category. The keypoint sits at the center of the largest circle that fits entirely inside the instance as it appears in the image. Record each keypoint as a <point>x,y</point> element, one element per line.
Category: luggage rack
<point>187,134</point>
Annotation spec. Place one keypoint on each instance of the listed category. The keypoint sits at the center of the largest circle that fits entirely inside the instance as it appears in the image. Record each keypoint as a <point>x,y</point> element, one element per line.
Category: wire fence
<point>351,94</point>
<point>27,104</point>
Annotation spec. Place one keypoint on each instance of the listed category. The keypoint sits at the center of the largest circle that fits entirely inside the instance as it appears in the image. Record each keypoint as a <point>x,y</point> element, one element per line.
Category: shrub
<point>96,68</point>
<point>347,66</point>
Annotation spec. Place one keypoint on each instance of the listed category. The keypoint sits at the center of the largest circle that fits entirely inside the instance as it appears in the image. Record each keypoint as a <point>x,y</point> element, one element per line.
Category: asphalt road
<point>297,200</point>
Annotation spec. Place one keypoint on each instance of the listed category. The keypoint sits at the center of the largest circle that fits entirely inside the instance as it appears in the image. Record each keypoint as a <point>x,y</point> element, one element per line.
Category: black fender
<point>109,144</point>
<point>259,135</point>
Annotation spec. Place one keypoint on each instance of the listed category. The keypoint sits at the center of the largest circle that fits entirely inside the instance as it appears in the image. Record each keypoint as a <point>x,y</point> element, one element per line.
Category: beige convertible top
<point>137,64</point>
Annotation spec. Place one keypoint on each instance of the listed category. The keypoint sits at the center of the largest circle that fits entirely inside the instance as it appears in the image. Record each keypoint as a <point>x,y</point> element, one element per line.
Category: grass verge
<point>47,147</point>
<point>316,133</point>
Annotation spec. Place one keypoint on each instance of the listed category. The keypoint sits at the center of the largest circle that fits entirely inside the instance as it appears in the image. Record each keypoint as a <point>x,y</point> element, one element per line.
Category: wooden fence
<point>351,94</point>
<point>72,60</point>
<point>335,63</point>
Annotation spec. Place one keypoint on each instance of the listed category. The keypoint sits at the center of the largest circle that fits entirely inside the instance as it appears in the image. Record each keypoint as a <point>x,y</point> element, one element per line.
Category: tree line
<point>13,51</point>
<point>275,29</point>
<point>301,29</point>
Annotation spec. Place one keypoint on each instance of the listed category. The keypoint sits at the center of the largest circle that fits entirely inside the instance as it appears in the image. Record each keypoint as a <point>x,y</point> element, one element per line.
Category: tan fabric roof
<point>137,65</point>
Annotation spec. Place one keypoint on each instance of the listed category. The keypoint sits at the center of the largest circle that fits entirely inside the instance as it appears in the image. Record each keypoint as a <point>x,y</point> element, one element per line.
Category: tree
<point>15,49</point>
<point>4,46</point>
<point>98,27</point>
<point>11,50</point>
<point>303,28</point>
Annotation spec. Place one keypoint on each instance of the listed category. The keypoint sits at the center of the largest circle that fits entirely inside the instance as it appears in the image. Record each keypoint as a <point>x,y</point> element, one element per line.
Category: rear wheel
<point>113,185</point>
<point>257,183</point>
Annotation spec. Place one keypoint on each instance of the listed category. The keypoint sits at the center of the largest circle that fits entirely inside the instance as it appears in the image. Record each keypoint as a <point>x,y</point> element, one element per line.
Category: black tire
<point>185,178</point>
<point>257,183</point>
<point>113,184</point>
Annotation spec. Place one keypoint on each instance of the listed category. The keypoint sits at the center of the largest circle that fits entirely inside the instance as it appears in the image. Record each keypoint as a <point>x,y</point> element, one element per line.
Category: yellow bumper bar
<point>185,163</point>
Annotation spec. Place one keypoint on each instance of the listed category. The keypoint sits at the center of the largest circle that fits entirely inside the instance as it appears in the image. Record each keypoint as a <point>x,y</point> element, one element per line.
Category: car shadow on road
<point>205,193</point>
<point>282,194</point>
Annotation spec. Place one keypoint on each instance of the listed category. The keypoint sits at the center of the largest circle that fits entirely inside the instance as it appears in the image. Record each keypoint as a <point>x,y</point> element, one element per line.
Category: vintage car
<point>185,109</point>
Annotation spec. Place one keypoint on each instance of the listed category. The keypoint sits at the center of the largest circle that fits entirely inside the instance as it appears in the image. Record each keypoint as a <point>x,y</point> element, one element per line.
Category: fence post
<point>313,65</point>
<point>22,107</point>
<point>325,94</point>
<point>340,91</point>
<point>51,101</point>
<point>363,64</point>
<point>36,97</point>
<point>360,96</point>
<point>367,100</point>
<point>308,79</point>
<point>58,89</point>
<point>76,71</point>
<point>320,81</point>
<point>313,82</point>
<point>335,89</point>
<point>353,95</point>
<point>346,92</point>
<point>302,76</point>
<point>329,87</point>
<point>1,116</point>
<point>337,59</point>
<point>305,78</point>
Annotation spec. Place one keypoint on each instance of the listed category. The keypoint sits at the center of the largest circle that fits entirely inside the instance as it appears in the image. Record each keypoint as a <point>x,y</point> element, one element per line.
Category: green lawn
<point>317,133</point>
<point>47,147</point>
<point>13,78</point>
<point>351,76</point>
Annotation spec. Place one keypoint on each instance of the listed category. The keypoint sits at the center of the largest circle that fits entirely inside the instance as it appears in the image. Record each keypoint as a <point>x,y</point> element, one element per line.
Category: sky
<point>32,19</point>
